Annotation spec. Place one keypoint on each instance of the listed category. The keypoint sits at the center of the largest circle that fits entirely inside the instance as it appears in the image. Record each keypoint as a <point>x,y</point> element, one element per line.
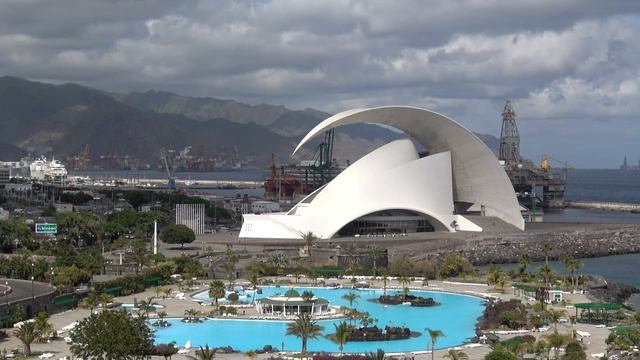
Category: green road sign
<point>46,228</point>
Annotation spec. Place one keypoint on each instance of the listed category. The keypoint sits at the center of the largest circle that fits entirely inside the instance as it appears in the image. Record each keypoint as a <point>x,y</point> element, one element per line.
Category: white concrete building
<point>393,187</point>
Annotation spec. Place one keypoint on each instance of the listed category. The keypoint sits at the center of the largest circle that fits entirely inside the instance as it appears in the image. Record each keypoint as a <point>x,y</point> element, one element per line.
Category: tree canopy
<point>178,234</point>
<point>111,335</point>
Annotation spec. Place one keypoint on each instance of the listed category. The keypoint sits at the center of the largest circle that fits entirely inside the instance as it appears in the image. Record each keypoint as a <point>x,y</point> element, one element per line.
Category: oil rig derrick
<point>509,137</point>
<point>525,176</point>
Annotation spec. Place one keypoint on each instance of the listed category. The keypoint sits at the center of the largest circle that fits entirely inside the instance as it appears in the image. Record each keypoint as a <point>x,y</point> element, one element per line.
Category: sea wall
<point>588,242</point>
<point>597,205</point>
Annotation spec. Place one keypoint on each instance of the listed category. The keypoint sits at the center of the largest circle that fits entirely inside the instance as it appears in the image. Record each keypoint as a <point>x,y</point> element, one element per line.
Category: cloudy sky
<point>571,67</point>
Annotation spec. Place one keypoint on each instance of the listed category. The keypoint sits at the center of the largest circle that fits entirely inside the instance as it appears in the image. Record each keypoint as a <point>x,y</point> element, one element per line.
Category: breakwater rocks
<point>578,240</point>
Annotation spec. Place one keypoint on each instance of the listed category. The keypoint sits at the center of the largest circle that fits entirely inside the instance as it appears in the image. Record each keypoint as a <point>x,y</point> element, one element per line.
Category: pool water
<point>456,317</point>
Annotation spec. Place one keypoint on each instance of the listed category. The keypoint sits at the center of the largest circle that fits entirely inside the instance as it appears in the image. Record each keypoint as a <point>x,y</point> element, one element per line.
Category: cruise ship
<point>41,169</point>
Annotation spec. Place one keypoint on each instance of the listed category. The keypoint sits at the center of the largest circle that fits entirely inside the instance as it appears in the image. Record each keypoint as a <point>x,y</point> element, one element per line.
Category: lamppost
<point>33,297</point>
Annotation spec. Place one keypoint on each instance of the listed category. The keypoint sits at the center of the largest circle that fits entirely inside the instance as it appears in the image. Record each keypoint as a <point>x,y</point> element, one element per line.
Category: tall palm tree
<point>43,326</point>
<point>27,334</point>
<point>546,272</point>
<point>309,237</point>
<point>524,261</point>
<point>454,354</point>
<point>351,298</point>
<point>254,280</point>
<point>216,291</point>
<point>90,301</point>
<point>555,316</point>
<point>573,267</point>
<point>341,336</point>
<point>385,279</point>
<point>375,252</point>
<point>556,341</point>
<point>434,335</point>
<point>305,328</point>
<point>405,281</point>
<point>146,307</point>
<point>205,353</point>
<point>546,249</point>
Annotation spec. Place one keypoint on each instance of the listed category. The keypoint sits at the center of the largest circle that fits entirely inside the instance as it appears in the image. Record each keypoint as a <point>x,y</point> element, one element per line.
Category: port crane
<point>172,180</point>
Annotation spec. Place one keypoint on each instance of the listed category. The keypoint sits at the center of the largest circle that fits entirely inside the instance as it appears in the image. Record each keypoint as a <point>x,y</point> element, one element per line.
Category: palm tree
<point>43,326</point>
<point>305,328</point>
<point>166,291</point>
<point>385,279</point>
<point>191,314</point>
<point>90,301</point>
<point>205,353</point>
<point>454,354</point>
<point>574,267</point>
<point>546,249</point>
<point>546,272</point>
<point>27,333</point>
<point>556,341</point>
<point>352,252</point>
<point>216,291</point>
<point>307,295</point>
<point>434,335</point>
<point>341,336</point>
<point>524,261</point>
<point>231,259</point>
<point>375,253</point>
<point>555,316</point>
<point>145,307</point>
<point>405,281</point>
<point>309,237</point>
<point>254,280</point>
<point>378,355</point>
<point>351,298</point>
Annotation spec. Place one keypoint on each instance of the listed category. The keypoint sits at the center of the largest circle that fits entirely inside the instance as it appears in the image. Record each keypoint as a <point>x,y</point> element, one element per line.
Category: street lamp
<point>33,297</point>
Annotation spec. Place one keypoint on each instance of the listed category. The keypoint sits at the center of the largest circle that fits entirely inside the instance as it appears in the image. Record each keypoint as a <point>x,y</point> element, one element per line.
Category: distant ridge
<point>67,117</point>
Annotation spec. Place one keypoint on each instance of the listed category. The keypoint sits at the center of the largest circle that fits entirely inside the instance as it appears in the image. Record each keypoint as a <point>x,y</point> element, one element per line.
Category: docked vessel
<point>41,169</point>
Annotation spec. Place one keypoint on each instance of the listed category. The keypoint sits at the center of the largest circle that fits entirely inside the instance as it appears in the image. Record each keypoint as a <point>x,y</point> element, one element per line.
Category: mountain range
<point>66,117</point>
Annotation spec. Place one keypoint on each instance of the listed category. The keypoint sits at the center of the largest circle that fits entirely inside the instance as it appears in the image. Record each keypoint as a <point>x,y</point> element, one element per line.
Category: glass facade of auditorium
<point>387,222</point>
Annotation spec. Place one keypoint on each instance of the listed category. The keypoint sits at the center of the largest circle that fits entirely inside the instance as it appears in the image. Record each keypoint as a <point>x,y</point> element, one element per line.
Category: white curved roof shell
<point>460,168</point>
<point>478,178</point>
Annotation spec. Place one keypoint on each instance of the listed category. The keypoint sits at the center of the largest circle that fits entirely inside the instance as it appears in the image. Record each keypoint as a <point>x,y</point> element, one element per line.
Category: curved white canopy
<point>478,177</point>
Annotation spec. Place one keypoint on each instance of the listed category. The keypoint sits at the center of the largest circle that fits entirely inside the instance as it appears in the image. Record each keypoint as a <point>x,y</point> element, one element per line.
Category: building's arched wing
<point>478,177</point>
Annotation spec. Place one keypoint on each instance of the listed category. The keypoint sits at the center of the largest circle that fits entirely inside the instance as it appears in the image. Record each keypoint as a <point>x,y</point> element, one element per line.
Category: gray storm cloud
<point>562,62</point>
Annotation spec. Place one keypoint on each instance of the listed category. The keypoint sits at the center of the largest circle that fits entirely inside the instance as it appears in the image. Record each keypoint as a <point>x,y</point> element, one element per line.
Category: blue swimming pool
<point>456,317</point>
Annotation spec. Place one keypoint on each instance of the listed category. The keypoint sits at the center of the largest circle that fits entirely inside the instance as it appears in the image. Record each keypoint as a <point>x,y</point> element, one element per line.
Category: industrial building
<point>396,189</point>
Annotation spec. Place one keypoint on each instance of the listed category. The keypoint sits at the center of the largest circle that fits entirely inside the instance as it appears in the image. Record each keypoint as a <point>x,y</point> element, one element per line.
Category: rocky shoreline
<point>580,242</point>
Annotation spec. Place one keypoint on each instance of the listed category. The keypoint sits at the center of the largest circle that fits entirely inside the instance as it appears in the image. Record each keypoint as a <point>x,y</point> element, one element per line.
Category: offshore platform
<point>536,187</point>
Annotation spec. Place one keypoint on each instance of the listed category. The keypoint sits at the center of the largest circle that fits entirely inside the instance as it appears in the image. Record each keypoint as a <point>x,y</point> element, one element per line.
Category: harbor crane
<point>172,180</point>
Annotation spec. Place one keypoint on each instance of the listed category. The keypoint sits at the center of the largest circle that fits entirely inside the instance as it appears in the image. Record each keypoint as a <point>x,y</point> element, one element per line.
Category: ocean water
<point>456,317</point>
<point>603,185</point>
